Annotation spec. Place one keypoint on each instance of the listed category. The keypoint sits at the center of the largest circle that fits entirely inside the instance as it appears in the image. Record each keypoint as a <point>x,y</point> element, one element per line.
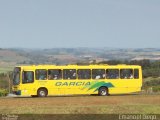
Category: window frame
<point>131,74</point>
<point>100,78</point>
<point>63,74</point>
<point>16,77</point>
<point>110,77</point>
<point>138,73</point>
<point>38,75</point>
<point>53,77</point>
<point>23,77</point>
<point>84,78</point>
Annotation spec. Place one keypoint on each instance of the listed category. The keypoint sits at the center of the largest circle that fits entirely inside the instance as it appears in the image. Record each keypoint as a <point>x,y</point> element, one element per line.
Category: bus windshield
<point>16,76</point>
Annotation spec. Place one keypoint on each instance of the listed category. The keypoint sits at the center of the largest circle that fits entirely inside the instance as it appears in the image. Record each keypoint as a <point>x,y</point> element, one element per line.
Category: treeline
<point>150,68</point>
<point>151,73</point>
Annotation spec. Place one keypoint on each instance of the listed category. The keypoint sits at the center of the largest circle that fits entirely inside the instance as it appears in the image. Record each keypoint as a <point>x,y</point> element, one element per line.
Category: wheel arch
<point>42,88</point>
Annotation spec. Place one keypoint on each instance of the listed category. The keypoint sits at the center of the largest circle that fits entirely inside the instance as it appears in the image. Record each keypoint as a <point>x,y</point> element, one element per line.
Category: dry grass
<point>144,104</point>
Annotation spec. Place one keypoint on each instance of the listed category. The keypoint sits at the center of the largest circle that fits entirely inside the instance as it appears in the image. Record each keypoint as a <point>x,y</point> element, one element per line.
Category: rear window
<point>136,73</point>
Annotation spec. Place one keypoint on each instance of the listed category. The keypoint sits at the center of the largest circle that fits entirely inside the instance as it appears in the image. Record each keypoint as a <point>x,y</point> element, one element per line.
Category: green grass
<point>151,78</point>
<point>5,69</point>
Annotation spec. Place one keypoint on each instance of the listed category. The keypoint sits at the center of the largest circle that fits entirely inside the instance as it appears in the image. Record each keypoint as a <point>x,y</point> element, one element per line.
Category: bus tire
<point>103,91</point>
<point>42,92</point>
<point>34,96</point>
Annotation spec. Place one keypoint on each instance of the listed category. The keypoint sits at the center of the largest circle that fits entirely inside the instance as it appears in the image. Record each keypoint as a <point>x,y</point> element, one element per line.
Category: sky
<point>79,23</point>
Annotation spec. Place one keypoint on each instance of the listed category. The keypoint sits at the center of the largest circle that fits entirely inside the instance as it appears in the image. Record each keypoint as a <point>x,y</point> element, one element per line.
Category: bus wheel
<point>42,92</point>
<point>103,91</point>
<point>34,96</point>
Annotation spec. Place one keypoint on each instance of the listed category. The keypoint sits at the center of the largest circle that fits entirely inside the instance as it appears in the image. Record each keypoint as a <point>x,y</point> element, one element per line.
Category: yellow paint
<point>121,86</point>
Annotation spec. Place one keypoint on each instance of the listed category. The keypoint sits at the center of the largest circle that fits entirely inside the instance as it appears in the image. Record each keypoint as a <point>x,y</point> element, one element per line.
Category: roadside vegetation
<point>5,83</point>
<point>151,75</point>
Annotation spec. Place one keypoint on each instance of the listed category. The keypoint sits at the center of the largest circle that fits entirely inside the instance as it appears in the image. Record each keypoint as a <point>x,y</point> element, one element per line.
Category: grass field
<point>128,104</point>
<point>5,69</point>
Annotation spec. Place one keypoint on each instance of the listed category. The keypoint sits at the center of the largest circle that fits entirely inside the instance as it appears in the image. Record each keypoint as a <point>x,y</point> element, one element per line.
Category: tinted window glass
<point>16,76</point>
<point>136,73</point>
<point>98,74</point>
<point>54,74</point>
<point>112,73</point>
<point>41,74</point>
<point>69,74</point>
<point>84,74</point>
<point>28,77</point>
<point>126,73</point>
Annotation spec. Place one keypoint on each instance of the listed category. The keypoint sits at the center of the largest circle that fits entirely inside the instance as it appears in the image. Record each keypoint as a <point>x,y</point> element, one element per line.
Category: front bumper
<point>17,92</point>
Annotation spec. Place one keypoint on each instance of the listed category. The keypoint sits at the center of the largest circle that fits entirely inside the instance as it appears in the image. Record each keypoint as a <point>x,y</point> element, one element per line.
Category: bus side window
<point>69,74</point>
<point>126,73</point>
<point>28,77</point>
<point>54,74</point>
<point>98,74</point>
<point>41,74</point>
<point>112,73</point>
<point>136,73</point>
<point>84,74</point>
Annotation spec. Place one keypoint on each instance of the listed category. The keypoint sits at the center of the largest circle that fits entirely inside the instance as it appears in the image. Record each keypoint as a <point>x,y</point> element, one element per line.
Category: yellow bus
<point>45,80</point>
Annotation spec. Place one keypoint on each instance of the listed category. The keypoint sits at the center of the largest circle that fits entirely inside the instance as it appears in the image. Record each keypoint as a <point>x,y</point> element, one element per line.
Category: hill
<point>11,57</point>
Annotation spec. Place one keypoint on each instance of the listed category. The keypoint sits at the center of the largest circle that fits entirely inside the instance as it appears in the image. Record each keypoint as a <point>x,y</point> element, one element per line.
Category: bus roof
<point>78,66</point>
